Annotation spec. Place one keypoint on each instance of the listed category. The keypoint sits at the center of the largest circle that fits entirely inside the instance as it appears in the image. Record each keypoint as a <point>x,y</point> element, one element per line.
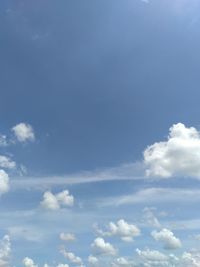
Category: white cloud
<point>178,156</point>
<point>122,262</point>
<point>154,195</point>
<point>54,202</point>
<point>167,238</point>
<point>5,251</point>
<point>67,237</point>
<point>122,229</point>
<point>28,262</point>
<point>100,247</point>
<point>4,182</point>
<point>72,257</point>
<point>6,162</point>
<point>152,258</point>
<point>62,265</point>
<point>92,260</point>
<point>23,132</point>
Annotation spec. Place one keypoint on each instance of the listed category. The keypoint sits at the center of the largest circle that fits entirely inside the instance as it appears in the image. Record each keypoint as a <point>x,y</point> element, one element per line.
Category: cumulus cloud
<point>6,162</point>
<point>28,262</point>
<point>125,231</point>
<point>179,155</point>
<point>5,251</point>
<point>101,247</point>
<point>167,238</point>
<point>70,256</point>
<point>62,265</point>
<point>55,202</point>
<point>67,237</point>
<point>92,260</point>
<point>23,132</point>
<point>123,262</point>
<point>4,182</point>
<point>152,258</point>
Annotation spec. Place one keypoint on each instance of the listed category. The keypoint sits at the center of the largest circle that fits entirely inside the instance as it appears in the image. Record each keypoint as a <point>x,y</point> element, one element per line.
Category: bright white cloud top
<point>23,132</point>
<point>178,156</point>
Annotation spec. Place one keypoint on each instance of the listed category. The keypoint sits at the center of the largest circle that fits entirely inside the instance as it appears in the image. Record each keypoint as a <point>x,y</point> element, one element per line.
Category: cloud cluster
<point>55,202</point>
<point>177,156</point>
<point>124,230</point>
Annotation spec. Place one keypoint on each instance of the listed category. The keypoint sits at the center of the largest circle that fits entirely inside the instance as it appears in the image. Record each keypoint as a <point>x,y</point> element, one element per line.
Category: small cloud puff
<point>100,247</point>
<point>70,256</point>
<point>122,229</point>
<point>23,132</point>
<point>167,238</point>
<point>54,202</point>
<point>67,237</point>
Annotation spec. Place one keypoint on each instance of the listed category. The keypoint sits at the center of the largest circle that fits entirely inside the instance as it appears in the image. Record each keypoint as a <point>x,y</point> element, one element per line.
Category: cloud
<point>3,140</point>
<point>23,132</point>
<point>122,229</point>
<point>152,258</point>
<point>154,195</point>
<point>149,218</point>
<point>4,182</point>
<point>179,155</point>
<point>67,237</point>
<point>54,202</point>
<point>72,257</point>
<point>92,260</point>
<point>168,239</point>
<point>5,251</point>
<point>28,262</point>
<point>6,162</point>
<point>122,262</point>
<point>100,247</point>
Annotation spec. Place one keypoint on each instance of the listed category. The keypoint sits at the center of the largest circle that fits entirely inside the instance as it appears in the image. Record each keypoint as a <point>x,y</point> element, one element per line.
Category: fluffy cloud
<point>6,162</point>
<point>54,202</point>
<point>67,237</point>
<point>5,251</point>
<point>179,155</point>
<point>23,132</point>
<point>152,258</point>
<point>122,262</point>
<point>100,247</point>
<point>70,256</point>
<point>122,229</point>
<point>93,260</point>
<point>4,182</point>
<point>28,262</point>
<point>167,238</point>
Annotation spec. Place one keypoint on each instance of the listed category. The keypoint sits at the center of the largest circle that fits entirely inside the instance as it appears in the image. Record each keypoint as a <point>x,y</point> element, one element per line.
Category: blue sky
<point>99,135</point>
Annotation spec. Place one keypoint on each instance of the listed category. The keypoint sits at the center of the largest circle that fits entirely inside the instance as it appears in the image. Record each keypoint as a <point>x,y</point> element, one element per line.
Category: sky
<point>99,133</point>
